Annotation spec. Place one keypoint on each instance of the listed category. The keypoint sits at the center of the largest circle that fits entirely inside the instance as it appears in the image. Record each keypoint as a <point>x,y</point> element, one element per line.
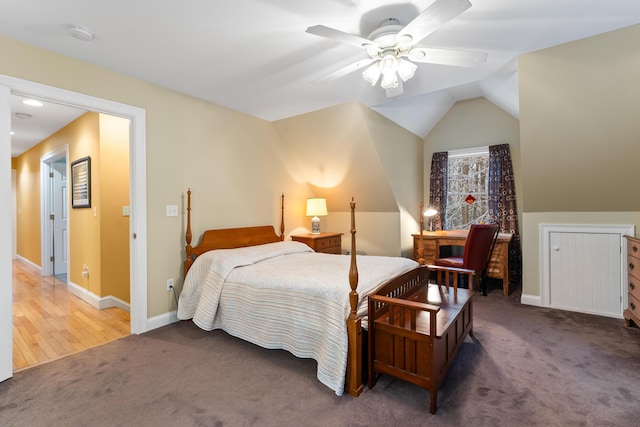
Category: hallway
<point>49,322</point>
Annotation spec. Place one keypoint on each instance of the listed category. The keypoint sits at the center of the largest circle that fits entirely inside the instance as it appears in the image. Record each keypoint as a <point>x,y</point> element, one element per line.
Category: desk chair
<point>474,261</point>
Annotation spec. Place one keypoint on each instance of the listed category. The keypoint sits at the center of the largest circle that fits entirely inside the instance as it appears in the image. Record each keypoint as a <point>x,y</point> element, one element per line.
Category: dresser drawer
<point>633,267</point>
<point>329,245</point>
<point>633,248</point>
<point>634,306</point>
<point>634,286</point>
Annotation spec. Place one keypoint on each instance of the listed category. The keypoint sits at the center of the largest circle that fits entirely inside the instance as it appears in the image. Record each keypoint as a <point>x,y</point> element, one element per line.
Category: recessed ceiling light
<point>12,133</point>
<point>32,102</point>
<point>80,33</point>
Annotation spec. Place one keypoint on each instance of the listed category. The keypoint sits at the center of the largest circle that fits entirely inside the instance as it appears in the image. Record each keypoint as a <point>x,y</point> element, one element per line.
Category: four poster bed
<point>280,294</point>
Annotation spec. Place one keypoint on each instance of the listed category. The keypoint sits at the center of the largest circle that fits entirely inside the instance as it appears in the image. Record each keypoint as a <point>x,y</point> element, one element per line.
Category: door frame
<point>45,202</point>
<point>138,207</point>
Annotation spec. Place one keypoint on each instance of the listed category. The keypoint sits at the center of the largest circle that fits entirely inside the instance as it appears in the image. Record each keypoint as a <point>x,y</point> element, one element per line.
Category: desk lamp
<point>429,213</point>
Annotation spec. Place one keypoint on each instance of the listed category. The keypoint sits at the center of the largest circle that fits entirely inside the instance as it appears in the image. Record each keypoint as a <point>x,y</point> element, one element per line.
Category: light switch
<point>172,210</point>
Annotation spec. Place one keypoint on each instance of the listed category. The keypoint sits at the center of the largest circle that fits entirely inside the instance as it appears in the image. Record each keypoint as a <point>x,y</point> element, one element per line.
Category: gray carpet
<point>526,366</point>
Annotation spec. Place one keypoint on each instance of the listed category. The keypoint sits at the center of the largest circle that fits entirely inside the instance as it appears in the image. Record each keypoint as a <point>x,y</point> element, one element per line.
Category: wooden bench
<point>416,329</point>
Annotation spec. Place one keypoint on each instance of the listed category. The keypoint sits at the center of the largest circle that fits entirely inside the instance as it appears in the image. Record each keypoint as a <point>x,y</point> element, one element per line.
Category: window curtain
<point>502,204</point>
<point>438,187</point>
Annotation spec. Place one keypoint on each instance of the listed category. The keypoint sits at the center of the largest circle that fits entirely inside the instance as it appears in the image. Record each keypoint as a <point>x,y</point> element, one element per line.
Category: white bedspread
<point>284,296</point>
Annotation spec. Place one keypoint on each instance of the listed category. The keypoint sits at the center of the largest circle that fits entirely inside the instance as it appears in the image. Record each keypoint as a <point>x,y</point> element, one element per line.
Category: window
<point>467,189</point>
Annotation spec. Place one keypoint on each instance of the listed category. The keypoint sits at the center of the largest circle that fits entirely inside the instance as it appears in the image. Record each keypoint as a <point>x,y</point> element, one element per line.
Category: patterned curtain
<point>438,187</point>
<point>502,204</point>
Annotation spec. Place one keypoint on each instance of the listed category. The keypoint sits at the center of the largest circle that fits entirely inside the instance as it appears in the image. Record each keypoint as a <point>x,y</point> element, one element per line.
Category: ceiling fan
<point>392,48</point>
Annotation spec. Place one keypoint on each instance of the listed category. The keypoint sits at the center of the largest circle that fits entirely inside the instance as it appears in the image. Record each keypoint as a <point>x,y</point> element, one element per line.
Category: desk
<point>434,240</point>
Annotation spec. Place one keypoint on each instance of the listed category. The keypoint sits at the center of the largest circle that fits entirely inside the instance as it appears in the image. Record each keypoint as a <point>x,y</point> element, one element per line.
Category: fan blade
<point>458,58</point>
<point>395,91</point>
<point>432,18</point>
<point>333,34</point>
<point>346,70</point>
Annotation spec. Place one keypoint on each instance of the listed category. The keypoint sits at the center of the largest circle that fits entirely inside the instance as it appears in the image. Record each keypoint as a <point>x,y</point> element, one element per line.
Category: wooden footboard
<point>415,331</point>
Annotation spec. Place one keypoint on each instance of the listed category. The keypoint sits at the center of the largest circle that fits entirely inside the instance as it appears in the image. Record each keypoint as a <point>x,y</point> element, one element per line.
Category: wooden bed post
<point>282,217</point>
<point>189,260</point>
<point>421,245</point>
<point>354,327</point>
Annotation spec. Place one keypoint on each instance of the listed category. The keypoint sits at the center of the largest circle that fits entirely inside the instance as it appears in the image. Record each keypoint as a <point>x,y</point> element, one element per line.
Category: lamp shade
<point>317,206</point>
<point>430,212</point>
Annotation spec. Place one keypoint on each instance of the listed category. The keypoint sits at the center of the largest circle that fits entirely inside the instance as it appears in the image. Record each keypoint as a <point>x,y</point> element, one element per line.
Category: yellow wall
<point>114,195</point>
<point>83,137</point>
<point>98,236</point>
<point>579,124</point>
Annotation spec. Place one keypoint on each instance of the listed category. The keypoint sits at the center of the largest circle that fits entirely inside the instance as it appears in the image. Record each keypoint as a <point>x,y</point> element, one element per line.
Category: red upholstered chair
<point>474,261</point>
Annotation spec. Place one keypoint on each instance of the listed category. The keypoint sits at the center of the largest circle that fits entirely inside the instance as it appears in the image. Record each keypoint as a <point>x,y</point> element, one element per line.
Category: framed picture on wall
<point>81,183</point>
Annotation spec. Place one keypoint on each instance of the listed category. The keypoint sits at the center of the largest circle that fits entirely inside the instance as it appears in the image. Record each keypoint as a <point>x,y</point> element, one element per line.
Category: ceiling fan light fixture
<point>372,73</point>
<point>388,64</point>
<point>389,80</point>
<point>406,69</point>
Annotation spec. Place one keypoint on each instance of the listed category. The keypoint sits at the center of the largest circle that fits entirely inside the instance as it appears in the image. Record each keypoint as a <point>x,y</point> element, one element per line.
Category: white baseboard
<point>162,320</point>
<point>37,267</point>
<point>96,301</point>
<point>531,300</point>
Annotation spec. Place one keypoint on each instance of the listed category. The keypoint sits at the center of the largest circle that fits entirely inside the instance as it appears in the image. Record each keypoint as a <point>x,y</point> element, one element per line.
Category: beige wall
<point>579,124</point>
<point>350,151</point>
<point>236,165</point>
<point>475,123</point>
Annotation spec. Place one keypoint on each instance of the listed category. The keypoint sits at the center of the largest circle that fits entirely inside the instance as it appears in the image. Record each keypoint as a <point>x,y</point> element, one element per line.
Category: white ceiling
<point>31,125</point>
<point>254,56</point>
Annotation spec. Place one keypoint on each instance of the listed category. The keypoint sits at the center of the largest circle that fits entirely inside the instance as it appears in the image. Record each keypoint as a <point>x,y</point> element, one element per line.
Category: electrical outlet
<point>169,284</point>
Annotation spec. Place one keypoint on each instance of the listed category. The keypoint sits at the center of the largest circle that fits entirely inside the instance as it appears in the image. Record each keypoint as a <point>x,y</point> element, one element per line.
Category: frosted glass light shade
<point>372,74</point>
<point>406,69</point>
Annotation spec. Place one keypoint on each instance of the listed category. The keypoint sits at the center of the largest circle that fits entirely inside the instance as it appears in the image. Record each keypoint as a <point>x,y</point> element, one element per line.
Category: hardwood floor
<point>49,322</point>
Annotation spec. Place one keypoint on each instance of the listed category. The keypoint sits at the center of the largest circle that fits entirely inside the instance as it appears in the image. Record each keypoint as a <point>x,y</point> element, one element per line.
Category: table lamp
<point>429,213</point>
<point>316,206</point>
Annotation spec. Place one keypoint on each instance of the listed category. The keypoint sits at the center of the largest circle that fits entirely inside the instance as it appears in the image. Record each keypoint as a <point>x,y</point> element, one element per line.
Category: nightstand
<point>328,243</point>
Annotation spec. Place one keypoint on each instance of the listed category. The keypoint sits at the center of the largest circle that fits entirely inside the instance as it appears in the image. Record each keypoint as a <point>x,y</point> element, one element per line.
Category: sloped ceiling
<point>254,56</point>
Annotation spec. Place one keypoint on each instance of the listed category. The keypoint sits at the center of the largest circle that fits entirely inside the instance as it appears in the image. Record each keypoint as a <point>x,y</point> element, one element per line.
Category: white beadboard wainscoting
<point>583,267</point>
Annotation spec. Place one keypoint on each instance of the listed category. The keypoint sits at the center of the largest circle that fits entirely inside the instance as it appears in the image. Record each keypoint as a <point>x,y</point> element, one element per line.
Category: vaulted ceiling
<point>254,56</point>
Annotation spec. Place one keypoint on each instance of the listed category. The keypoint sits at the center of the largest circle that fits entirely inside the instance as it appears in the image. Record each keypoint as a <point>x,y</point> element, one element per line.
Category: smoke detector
<point>81,33</point>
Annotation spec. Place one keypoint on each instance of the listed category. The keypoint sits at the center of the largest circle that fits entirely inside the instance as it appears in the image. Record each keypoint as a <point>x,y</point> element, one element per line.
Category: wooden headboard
<point>229,238</point>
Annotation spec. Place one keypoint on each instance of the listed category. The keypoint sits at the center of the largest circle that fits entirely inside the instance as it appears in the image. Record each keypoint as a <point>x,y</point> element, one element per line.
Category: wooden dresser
<point>328,243</point>
<point>434,240</point>
<point>632,313</point>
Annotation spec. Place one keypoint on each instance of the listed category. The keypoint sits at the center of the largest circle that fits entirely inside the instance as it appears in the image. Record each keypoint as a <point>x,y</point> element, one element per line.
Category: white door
<point>61,217</point>
<point>586,273</point>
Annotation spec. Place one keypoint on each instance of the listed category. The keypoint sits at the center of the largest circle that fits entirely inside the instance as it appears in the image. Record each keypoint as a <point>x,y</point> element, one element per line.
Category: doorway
<point>54,213</point>
<point>138,236</point>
